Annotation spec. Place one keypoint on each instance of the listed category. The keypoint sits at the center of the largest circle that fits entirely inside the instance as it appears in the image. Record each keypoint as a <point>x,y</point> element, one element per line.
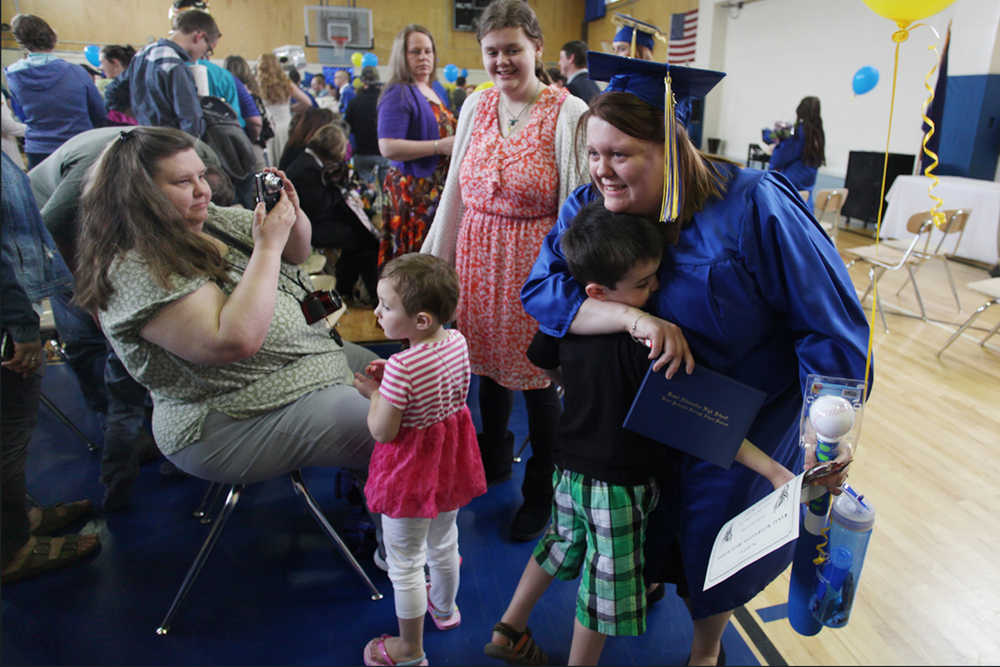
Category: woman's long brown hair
<point>123,210</point>
<point>814,144</point>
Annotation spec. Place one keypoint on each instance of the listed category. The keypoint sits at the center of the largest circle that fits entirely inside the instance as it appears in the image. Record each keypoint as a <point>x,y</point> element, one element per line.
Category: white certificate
<point>755,532</point>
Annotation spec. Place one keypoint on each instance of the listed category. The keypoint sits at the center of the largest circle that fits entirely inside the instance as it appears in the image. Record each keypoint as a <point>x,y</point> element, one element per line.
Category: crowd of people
<point>550,235</point>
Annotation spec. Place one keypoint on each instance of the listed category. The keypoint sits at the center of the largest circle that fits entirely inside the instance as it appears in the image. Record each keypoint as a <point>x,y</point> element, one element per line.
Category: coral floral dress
<point>510,189</point>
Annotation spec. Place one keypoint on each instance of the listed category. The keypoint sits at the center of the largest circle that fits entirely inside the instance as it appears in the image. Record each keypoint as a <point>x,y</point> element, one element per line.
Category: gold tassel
<point>670,208</point>
<point>632,52</point>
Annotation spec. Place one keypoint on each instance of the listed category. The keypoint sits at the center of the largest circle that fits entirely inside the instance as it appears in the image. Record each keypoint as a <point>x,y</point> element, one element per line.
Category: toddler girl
<point>426,462</point>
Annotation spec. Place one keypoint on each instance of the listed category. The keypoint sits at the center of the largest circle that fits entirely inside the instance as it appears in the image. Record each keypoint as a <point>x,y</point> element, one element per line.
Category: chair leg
<point>91,447</point>
<point>207,502</point>
<point>199,561</point>
<point>951,281</point>
<point>874,274</point>
<point>317,513</point>
<point>967,323</point>
<point>916,290</point>
<point>878,304</point>
<point>524,445</point>
<point>910,277</point>
<point>992,332</point>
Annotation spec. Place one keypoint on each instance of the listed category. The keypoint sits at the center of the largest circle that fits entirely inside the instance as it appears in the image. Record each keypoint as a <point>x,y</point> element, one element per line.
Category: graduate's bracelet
<point>436,142</point>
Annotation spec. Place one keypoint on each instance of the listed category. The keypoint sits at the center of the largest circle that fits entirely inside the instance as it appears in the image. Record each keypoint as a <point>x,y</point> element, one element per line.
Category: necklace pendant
<point>512,122</point>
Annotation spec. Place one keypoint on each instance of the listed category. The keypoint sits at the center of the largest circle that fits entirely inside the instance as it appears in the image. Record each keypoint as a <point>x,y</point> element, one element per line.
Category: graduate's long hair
<point>702,178</point>
<point>814,148</point>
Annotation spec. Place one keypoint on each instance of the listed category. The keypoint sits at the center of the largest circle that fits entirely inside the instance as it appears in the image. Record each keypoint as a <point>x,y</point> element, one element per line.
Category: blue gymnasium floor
<point>274,591</point>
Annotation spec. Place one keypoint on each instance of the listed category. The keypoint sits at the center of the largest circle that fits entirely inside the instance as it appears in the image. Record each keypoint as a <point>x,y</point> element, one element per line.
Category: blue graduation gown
<point>762,296</point>
<point>787,159</point>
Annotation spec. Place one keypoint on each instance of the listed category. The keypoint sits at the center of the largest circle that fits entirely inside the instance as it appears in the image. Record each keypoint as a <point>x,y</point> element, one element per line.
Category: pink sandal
<point>443,622</point>
<point>379,644</point>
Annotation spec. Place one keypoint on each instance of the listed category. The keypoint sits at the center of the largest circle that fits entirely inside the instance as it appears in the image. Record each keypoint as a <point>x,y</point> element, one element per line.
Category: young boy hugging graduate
<point>606,476</point>
<point>605,488</point>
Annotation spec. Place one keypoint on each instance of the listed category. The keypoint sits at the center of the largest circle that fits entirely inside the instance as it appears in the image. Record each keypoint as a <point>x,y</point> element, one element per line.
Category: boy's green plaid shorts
<point>602,526</point>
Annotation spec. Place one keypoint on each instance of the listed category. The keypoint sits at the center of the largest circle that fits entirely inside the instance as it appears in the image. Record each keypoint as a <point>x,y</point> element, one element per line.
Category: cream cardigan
<point>570,160</point>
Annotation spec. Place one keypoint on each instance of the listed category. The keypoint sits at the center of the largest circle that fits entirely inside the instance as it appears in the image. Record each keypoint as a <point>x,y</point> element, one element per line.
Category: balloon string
<point>878,222</point>
<point>936,214</point>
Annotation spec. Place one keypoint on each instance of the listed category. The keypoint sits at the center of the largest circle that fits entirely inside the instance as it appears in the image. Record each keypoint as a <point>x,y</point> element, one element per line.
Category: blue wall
<point>970,132</point>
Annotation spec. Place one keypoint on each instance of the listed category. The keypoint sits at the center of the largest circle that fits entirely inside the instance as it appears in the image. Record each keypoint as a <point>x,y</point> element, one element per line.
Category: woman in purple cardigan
<point>416,131</point>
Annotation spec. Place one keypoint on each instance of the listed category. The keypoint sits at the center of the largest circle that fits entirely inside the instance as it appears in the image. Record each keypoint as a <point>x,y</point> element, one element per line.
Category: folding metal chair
<point>826,202</point>
<point>892,257</point>
<point>991,288</point>
<point>233,492</point>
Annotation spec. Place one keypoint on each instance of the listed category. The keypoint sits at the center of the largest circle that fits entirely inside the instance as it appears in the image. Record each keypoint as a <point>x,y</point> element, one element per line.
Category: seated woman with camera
<point>330,198</point>
<point>206,307</point>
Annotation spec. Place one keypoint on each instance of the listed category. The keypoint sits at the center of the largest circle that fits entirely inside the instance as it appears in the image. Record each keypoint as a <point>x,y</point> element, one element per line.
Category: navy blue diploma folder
<point>705,414</point>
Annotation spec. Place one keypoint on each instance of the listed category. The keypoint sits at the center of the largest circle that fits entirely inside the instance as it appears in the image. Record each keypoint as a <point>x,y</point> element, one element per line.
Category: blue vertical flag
<point>935,111</point>
<point>594,9</point>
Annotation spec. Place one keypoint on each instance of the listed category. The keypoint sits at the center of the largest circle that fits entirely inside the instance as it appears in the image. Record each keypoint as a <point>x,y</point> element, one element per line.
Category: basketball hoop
<point>339,50</point>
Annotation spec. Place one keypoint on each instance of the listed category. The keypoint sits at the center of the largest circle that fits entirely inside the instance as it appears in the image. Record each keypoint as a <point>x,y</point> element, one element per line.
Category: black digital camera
<point>317,305</point>
<point>268,187</point>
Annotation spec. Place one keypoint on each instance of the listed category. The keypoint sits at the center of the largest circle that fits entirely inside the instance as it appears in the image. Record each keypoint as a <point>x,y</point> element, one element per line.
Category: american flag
<point>683,34</point>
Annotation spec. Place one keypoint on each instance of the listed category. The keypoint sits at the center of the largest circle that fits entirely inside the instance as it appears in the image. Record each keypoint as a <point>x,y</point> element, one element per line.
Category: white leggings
<point>409,543</point>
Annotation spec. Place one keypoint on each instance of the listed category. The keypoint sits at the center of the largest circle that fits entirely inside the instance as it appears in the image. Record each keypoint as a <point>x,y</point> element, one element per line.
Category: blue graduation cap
<point>635,32</point>
<point>663,86</point>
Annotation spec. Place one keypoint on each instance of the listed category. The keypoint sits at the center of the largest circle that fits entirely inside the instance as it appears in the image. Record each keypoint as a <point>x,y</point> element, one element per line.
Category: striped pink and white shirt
<point>429,381</point>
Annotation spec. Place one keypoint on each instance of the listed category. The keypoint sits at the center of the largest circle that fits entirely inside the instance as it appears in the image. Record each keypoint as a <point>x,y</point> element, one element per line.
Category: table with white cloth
<point>908,195</point>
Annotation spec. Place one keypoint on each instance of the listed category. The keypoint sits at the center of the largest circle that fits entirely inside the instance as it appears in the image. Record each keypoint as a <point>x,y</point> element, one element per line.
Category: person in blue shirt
<point>800,155</point>
<point>157,90</point>
<point>342,80</point>
<point>58,99</point>
<point>750,286</point>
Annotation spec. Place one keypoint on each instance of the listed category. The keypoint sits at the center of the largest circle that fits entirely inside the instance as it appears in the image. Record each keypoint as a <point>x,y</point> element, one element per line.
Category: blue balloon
<point>465,73</point>
<point>865,79</point>
<point>369,60</point>
<point>451,72</point>
<point>93,54</point>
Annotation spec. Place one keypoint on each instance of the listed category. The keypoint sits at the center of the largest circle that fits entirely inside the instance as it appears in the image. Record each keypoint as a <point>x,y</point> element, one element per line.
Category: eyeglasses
<point>211,44</point>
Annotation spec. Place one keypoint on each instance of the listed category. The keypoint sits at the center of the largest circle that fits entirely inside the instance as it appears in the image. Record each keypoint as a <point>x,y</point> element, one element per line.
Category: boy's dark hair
<point>195,20</point>
<point>601,246</point>
<point>424,283</point>
<point>576,50</point>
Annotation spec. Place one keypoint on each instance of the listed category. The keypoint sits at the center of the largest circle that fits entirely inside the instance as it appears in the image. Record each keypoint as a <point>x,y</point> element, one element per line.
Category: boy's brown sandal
<point>522,651</point>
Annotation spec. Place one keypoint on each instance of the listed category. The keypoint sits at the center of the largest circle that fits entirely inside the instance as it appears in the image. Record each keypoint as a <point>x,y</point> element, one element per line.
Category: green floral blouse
<point>294,360</point>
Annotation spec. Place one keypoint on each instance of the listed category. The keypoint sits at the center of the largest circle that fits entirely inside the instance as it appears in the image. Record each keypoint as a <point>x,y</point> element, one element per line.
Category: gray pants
<point>327,427</point>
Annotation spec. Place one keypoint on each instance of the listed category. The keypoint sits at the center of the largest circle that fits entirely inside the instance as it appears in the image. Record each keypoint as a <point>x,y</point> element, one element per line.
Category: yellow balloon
<point>357,57</point>
<point>357,83</point>
<point>905,12</point>
<point>484,85</point>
